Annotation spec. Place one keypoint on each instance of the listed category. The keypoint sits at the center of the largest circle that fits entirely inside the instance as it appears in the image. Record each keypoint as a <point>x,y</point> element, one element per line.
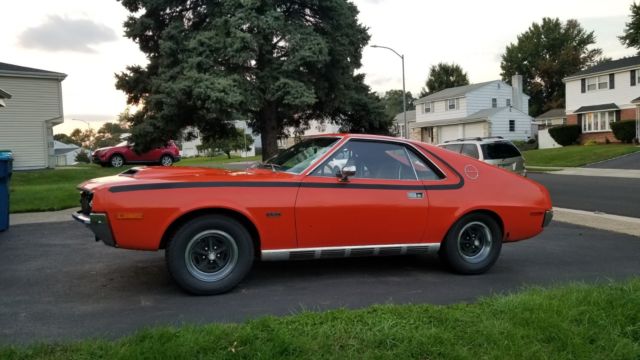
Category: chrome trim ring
<point>474,242</point>
<point>211,255</point>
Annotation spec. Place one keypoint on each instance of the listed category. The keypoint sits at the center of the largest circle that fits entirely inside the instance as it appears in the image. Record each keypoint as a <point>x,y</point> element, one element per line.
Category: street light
<point>404,97</point>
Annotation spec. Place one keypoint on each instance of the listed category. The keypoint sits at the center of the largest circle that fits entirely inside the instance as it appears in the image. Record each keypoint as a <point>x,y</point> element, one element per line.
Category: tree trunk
<point>268,131</point>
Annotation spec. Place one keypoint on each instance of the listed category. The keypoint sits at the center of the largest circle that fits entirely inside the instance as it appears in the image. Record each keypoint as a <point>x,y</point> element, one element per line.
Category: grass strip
<point>576,155</point>
<point>571,322</point>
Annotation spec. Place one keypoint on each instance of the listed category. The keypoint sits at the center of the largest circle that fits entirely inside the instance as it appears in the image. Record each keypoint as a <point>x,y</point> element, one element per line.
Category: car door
<point>383,203</point>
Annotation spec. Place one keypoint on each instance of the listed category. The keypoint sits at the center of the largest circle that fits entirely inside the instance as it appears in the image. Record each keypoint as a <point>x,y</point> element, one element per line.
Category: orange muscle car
<point>388,197</point>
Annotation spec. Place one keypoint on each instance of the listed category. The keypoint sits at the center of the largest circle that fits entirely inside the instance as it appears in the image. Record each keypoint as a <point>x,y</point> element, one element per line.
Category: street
<point>619,196</point>
<point>58,284</point>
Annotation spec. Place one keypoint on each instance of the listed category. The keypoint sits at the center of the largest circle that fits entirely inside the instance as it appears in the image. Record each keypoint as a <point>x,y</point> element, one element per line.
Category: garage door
<point>474,130</point>
<point>449,132</point>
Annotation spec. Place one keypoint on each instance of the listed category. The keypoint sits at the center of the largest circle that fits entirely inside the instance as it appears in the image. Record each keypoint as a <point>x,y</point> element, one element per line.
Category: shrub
<point>591,143</point>
<point>624,131</point>
<point>83,157</point>
<point>565,134</point>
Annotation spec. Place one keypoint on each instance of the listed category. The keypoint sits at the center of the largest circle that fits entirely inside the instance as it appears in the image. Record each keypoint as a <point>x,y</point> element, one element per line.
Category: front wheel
<point>210,255</point>
<point>166,160</point>
<point>473,244</point>
<point>116,161</point>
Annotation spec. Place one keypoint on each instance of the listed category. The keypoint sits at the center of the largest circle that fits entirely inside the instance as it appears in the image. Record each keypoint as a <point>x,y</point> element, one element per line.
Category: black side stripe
<point>267,184</point>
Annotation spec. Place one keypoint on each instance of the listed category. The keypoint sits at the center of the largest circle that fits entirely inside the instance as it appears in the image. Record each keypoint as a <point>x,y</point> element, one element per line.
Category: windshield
<point>301,155</point>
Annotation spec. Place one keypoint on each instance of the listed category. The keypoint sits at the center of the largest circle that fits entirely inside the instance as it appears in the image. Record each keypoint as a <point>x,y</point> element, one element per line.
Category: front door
<point>383,203</point>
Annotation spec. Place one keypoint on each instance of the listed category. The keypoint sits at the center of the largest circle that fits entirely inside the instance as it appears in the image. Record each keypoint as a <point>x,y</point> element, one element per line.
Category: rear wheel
<point>116,161</point>
<point>210,255</point>
<point>473,244</point>
<point>166,160</point>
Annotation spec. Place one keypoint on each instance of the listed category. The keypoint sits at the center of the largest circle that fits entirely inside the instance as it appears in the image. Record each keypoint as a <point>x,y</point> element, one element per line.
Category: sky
<point>85,40</point>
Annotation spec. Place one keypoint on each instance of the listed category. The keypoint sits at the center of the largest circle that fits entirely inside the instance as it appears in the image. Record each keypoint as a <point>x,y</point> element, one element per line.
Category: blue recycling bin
<point>6,168</point>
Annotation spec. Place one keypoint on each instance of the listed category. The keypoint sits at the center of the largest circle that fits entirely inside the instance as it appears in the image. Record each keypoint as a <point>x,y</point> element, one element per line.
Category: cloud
<point>64,34</point>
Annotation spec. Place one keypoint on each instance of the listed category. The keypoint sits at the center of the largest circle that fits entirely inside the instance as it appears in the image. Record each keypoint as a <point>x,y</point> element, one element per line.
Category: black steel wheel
<point>473,244</point>
<point>210,254</point>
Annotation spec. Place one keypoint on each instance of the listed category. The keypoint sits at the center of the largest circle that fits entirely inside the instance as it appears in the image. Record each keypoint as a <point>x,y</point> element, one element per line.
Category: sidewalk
<point>41,217</point>
<point>581,171</point>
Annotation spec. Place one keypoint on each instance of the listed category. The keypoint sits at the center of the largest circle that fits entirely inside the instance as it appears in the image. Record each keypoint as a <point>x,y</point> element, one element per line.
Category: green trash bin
<point>6,168</point>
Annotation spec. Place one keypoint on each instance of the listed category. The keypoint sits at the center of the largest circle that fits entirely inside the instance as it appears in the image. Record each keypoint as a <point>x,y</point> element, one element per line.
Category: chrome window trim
<point>398,142</point>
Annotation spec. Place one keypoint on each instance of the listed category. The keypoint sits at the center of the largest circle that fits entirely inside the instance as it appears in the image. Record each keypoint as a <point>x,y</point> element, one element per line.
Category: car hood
<point>158,175</point>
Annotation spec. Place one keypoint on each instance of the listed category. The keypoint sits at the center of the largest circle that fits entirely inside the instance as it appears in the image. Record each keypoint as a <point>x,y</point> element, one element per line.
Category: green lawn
<point>571,322</point>
<point>571,156</point>
<point>55,189</point>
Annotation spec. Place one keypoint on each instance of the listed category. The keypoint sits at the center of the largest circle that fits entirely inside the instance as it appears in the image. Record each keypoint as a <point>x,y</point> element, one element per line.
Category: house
<point>4,95</point>
<point>553,117</point>
<point>602,94</point>
<point>492,108</point>
<point>34,108</point>
<point>190,148</point>
<point>66,153</point>
<point>398,122</point>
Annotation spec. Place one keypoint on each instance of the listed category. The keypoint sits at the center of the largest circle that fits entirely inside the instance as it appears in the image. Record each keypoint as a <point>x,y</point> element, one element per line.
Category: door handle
<point>415,195</point>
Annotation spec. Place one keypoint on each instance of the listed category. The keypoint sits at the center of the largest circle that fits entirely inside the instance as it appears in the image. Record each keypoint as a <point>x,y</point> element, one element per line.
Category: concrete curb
<point>598,220</point>
<point>42,217</point>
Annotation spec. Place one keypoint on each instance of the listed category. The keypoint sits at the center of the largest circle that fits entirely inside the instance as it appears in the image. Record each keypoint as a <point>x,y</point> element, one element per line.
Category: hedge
<point>624,131</point>
<point>565,134</point>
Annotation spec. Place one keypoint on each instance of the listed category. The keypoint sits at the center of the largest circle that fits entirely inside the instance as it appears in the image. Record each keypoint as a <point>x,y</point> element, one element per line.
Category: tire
<point>473,244</point>
<point>166,160</point>
<point>116,161</point>
<point>199,269</point>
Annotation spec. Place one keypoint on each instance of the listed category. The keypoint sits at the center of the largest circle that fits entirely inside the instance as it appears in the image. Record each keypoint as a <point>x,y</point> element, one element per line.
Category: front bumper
<point>548,215</point>
<point>98,223</point>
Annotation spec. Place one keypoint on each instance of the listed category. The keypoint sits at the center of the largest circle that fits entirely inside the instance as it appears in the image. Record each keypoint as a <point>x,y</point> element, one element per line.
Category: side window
<point>470,150</point>
<point>453,147</point>
<point>423,171</point>
<point>372,160</point>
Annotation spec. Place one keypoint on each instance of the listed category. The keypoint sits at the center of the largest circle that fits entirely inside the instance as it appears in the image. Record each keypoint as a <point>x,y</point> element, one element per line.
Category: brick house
<point>603,94</point>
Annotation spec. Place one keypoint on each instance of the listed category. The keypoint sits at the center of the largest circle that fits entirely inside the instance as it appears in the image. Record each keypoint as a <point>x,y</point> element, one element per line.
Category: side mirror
<point>345,172</point>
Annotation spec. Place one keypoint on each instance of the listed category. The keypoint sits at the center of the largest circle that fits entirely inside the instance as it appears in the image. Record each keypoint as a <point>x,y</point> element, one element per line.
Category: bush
<point>565,134</point>
<point>83,157</point>
<point>624,131</point>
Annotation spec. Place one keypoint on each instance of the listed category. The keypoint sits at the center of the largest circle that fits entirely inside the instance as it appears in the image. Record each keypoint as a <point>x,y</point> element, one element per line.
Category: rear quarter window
<point>453,147</point>
<point>499,150</point>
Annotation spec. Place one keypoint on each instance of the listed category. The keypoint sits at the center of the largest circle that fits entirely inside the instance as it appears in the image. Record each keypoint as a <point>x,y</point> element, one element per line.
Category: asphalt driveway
<point>58,284</point>
<point>626,162</point>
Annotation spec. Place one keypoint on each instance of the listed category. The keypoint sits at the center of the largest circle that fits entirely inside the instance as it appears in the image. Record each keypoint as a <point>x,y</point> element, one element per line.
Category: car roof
<point>487,140</point>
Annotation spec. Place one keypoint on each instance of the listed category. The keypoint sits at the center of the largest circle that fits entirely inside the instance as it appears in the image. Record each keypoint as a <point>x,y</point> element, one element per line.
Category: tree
<point>84,138</point>
<point>631,37</point>
<point>109,134</point>
<point>444,76</point>
<point>237,141</point>
<point>392,100</point>
<point>277,63</point>
<point>66,139</point>
<point>544,55</point>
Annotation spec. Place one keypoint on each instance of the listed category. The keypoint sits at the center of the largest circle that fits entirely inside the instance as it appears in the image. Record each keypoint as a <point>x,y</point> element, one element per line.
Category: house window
<point>428,107</point>
<point>494,103</point>
<point>598,83</point>
<point>508,102</point>
<point>512,125</point>
<point>598,121</point>
<point>453,104</point>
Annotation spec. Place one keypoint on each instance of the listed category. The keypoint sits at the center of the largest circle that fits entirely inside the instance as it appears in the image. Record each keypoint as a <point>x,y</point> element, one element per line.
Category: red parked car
<point>123,153</point>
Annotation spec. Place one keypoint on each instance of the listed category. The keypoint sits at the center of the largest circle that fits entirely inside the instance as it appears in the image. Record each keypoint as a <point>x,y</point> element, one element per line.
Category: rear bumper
<point>548,216</point>
<point>98,223</point>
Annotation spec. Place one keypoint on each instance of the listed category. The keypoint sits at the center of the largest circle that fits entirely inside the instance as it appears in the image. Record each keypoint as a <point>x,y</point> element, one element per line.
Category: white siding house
<point>35,107</point>
<point>602,94</point>
<point>492,108</point>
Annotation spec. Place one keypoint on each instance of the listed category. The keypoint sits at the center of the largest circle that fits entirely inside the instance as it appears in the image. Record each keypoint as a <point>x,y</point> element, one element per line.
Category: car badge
<point>471,172</point>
